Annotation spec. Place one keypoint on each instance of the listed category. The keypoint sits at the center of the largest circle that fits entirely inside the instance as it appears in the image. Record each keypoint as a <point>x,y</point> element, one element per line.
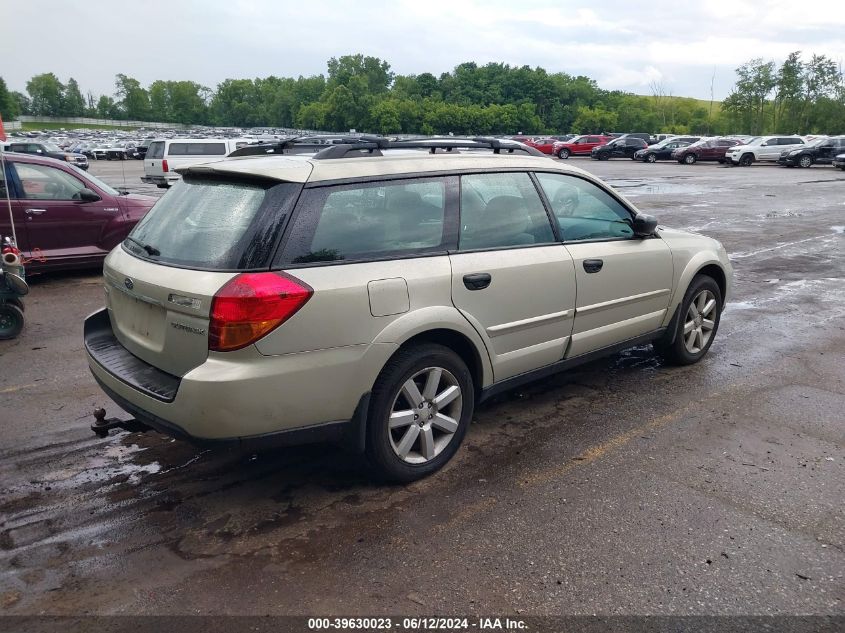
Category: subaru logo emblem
<point>128,283</point>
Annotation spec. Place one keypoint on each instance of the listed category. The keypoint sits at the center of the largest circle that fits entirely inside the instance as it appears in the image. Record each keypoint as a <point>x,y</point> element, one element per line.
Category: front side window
<point>502,211</point>
<point>585,211</point>
<point>40,182</point>
<point>369,221</point>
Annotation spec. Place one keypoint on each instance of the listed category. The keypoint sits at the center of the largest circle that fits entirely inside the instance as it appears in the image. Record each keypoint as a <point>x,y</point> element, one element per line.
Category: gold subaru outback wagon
<point>374,292</point>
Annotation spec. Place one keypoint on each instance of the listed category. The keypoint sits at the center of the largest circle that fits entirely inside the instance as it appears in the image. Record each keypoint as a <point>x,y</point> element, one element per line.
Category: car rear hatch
<point>154,161</point>
<point>161,281</point>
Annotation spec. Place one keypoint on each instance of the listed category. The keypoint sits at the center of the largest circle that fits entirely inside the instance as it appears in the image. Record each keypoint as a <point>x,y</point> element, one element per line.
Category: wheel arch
<point>703,264</point>
<point>448,327</point>
<point>458,343</point>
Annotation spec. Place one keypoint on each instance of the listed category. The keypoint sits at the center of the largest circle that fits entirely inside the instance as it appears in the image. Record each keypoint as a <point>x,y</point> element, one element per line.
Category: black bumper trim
<point>110,355</point>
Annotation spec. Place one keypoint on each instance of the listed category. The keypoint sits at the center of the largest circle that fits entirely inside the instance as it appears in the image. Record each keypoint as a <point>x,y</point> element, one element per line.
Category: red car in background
<point>544,144</point>
<point>580,145</point>
<point>65,218</point>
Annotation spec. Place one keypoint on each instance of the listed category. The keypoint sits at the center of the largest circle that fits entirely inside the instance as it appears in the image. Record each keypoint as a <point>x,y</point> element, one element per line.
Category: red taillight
<point>250,306</point>
<point>164,166</point>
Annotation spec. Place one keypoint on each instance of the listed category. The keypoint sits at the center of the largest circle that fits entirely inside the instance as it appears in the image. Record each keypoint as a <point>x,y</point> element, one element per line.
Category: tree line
<point>363,93</point>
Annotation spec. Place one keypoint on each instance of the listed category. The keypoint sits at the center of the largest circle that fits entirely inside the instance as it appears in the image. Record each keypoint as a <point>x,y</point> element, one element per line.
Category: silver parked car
<point>375,296</point>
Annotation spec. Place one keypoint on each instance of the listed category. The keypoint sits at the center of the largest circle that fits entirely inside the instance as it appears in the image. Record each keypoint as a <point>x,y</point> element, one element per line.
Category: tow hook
<point>102,426</point>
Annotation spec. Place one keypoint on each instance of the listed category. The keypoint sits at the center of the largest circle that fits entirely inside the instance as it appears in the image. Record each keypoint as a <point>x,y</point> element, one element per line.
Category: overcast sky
<point>621,44</point>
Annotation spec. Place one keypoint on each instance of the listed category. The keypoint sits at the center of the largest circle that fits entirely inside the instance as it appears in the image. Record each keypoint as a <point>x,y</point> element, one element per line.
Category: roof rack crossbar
<point>358,148</point>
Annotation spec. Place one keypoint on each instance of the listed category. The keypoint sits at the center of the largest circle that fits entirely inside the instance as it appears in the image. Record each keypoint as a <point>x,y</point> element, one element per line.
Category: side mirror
<point>644,225</point>
<point>86,195</point>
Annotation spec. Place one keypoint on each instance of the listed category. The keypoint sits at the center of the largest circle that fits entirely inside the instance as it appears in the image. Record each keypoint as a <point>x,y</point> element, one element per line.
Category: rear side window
<point>790,141</point>
<point>214,224</point>
<point>369,221</point>
<point>156,149</point>
<point>502,211</point>
<point>197,149</point>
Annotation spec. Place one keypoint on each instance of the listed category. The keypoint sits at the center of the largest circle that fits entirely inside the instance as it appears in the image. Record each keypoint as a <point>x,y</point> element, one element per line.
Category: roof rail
<point>302,144</point>
<point>371,146</point>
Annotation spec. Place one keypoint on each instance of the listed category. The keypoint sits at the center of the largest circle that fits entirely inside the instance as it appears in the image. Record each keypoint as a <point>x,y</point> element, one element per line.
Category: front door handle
<point>593,265</point>
<point>477,281</point>
<point>35,211</point>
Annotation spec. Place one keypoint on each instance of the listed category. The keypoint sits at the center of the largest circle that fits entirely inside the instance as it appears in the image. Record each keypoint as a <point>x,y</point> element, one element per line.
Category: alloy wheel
<point>700,321</point>
<point>425,415</point>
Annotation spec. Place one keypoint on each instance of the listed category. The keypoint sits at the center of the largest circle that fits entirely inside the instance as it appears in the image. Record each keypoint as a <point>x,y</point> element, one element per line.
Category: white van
<point>165,155</point>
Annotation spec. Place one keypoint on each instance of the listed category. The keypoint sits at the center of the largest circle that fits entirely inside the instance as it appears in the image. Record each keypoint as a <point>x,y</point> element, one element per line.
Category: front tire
<point>420,410</point>
<point>604,156</point>
<point>651,158</point>
<point>690,159</point>
<point>563,154</point>
<point>746,160</point>
<point>697,323</point>
<point>805,161</point>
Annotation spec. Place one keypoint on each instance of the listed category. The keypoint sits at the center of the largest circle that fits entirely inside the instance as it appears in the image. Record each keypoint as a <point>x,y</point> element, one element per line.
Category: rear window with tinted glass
<point>214,224</point>
<point>197,149</point>
<point>156,149</point>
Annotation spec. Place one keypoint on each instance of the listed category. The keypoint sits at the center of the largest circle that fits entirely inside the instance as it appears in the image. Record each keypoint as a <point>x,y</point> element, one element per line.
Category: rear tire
<point>11,321</point>
<point>697,323</point>
<point>420,410</point>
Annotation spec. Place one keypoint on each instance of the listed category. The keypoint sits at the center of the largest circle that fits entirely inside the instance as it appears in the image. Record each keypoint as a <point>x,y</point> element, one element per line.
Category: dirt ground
<point>624,487</point>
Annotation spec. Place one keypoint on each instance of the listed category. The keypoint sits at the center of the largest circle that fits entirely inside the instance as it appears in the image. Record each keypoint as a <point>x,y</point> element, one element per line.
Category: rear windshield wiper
<point>150,250</point>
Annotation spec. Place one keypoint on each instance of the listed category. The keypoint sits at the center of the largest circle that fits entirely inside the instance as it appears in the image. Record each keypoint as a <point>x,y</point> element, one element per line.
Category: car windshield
<point>95,180</point>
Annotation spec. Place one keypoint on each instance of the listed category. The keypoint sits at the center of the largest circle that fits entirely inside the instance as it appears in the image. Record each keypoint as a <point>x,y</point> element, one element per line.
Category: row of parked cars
<point>791,151</point>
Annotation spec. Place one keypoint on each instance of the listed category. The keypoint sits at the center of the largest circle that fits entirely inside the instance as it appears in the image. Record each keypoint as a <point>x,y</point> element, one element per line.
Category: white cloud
<point>622,45</point>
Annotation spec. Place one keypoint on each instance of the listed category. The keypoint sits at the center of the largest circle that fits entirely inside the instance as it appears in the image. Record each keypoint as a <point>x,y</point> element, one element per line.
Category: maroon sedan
<point>64,218</point>
<point>705,149</point>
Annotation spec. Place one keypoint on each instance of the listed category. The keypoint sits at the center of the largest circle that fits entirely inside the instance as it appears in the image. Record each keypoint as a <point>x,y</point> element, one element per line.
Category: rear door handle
<point>593,265</point>
<point>477,281</point>
<point>35,211</point>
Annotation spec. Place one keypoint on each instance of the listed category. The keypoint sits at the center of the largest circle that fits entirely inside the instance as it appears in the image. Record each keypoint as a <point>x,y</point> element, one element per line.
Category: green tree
<point>821,79</point>
<point>106,107</point>
<point>72,103</point>
<point>132,100</point>
<point>46,94</point>
<point>8,104</point>
<point>788,93</point>
<point>594,120</point>
<point>375,72</point>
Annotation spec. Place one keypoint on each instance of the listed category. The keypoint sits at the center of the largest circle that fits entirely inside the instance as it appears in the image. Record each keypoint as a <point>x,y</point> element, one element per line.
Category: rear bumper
<point>240,397</point>
<point>160,180</point>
